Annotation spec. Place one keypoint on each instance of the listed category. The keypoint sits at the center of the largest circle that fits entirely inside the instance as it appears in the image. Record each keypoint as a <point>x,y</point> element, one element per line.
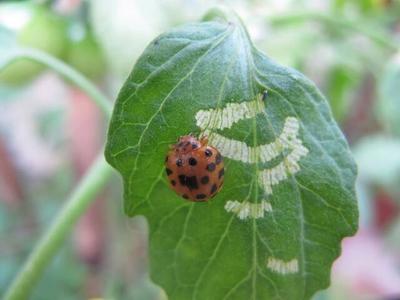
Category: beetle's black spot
<point>210,167</point>
<point>179,162</point>
<point>221,173</point>
<point>180,144</point>
<point>173,182</point>
<point>191,182</point>
<point>169,171</point>
<point>194,146</point>
<point>187,144</point>
<point>166,158</point>
<point>213,189</point>
<point>185,196</point>
<point>201,196</point>
<point>192,161</point>
<point>205,179</point>
<point>182,179</point>
<point>218,158</point>
<point>208,152</point>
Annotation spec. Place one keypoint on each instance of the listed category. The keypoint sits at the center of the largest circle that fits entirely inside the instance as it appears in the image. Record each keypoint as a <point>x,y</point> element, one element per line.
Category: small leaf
<point>340,86</point>
<point>275,228</point>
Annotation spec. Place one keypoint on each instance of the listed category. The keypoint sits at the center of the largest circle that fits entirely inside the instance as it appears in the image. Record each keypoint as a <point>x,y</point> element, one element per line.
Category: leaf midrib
<point>291,176</point>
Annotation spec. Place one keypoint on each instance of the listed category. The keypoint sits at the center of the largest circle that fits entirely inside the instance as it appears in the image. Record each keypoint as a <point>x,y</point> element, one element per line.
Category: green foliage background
<point>348,48</point>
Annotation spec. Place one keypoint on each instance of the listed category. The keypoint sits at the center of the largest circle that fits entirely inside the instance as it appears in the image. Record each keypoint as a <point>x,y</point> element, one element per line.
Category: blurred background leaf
<point>388,107</point>
<point>35,26</point>
<point>378,159</point>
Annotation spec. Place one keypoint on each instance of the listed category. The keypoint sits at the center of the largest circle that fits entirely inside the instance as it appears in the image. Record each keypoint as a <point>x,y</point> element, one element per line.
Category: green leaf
<point>275,228</point>
<point>388,107</point>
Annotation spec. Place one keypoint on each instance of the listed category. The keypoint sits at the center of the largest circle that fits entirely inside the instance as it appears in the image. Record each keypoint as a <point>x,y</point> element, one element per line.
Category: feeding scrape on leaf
<point>288,199</point>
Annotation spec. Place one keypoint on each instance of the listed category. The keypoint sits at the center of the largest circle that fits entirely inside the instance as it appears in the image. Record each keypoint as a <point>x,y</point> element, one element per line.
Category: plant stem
<point>94,179</point>
<point>84,193</point>
<point>69,73</point>
<point>378,37</point>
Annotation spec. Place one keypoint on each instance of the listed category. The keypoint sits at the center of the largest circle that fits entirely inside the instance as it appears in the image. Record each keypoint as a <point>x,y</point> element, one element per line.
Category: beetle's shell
<point>195,170</point>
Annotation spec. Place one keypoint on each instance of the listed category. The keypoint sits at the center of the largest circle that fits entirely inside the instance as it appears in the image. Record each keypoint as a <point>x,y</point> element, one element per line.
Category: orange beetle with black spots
<point>195,170</point>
